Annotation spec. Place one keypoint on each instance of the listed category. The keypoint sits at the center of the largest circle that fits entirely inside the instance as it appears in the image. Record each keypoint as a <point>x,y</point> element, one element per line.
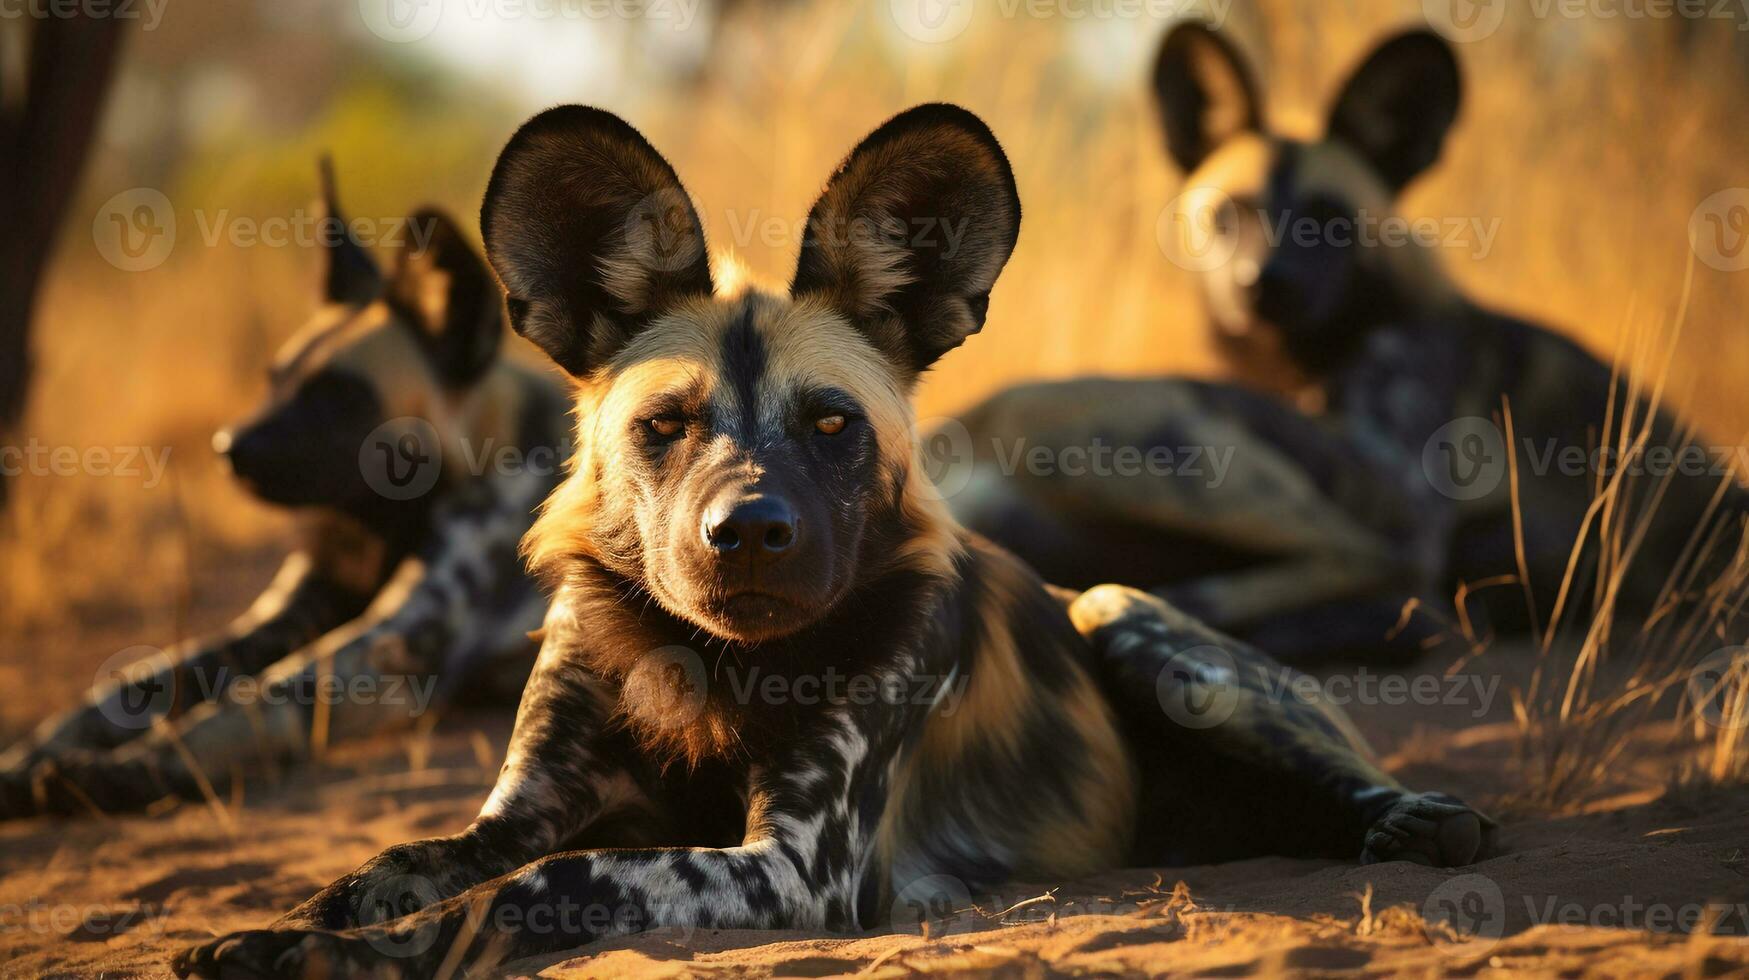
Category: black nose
<point>750,525</point>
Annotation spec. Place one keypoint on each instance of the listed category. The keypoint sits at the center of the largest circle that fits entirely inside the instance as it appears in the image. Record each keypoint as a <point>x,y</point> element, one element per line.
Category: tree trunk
<point>43,145</point>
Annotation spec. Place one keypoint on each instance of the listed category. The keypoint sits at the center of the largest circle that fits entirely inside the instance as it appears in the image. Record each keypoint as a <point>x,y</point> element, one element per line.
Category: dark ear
<point>1398,105</point>
<point>352,275</point>
<point>442,287</point>
<point>591,233</point>
<point>1205,92</point>
<point>911,232</point>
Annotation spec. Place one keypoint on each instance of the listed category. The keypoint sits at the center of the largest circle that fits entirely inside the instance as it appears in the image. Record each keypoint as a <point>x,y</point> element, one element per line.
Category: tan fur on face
<point>807,343</point>
<point>1240,170</point>
<point>370,343</point>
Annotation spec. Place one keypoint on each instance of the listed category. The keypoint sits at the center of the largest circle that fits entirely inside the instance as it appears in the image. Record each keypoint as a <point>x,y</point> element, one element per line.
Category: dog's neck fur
<point>630,639</point>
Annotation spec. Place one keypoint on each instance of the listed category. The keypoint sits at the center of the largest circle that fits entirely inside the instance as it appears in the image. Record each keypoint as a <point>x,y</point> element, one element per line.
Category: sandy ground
<point>1623,887</point>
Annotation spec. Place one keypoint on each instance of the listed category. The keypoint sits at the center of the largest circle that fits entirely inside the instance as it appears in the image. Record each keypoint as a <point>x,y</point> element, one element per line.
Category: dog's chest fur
<point>1009,762</point>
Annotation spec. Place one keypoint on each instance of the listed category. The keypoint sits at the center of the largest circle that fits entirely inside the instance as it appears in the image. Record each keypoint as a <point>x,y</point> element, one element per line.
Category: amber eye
<point>830,425</point>
<point>666,426</point>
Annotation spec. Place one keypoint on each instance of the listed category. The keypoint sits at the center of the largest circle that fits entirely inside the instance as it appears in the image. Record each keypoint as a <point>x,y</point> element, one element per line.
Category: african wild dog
<point>1406,460</point>
<point>1293,544</point>
<point>1395,355</point>
<point>398,593</point>
<point>747,493</point>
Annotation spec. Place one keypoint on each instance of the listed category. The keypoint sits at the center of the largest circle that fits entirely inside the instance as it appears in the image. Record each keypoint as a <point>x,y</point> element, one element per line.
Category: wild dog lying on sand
<point>746,495</point>
<point>1274,528</point>
<point>1413,495</point>
<point>408,581</point>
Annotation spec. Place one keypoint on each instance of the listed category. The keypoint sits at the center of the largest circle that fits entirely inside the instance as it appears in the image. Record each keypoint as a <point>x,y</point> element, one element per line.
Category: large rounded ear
<point>1205,93</point>
<point>591,233</point>
<point>1398,106</point>
<point>912,231</point>
<point>443,288</point>
<point>351,275</point>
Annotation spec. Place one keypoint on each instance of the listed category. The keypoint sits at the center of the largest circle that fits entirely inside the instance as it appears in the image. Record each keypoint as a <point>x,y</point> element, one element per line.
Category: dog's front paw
<point>284,953</point>
<point>1427,828</point>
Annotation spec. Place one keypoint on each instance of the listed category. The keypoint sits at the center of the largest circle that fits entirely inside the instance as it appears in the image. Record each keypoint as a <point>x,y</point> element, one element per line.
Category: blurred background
<point>1587,142</point>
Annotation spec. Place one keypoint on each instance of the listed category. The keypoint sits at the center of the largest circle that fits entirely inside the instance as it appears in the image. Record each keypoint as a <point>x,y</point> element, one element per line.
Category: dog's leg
<point>812,815</point>
<point>1272,768</point>
<point>300,605</point>
<point>561,774</point>
<point>434,620</point>
<point>1316,607</point>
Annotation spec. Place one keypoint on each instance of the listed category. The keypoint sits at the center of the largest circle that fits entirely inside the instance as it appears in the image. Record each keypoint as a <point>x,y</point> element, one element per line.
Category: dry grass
<point>1594,683</point>
<point>1590,143</point>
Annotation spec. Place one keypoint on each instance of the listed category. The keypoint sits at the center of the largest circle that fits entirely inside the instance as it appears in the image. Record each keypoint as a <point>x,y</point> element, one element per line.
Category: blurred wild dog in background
<point>1458,403</point>
<point>408,579</point>
<point>1424,410</point>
